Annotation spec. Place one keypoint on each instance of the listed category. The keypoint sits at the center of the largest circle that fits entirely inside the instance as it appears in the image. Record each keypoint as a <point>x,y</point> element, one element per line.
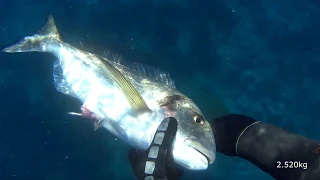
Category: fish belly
<point>73,77</point>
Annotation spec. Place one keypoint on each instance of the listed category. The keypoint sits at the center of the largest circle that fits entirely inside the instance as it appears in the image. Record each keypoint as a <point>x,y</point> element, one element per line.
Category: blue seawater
<point>261,58</point>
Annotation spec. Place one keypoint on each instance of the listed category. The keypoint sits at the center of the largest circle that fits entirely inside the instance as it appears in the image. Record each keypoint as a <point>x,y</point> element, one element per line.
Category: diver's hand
<point>156,163</point>
<point>227,129</point>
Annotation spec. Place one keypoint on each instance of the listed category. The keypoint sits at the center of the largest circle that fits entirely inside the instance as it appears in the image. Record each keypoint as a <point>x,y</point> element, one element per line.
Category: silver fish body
<point>110,90</point>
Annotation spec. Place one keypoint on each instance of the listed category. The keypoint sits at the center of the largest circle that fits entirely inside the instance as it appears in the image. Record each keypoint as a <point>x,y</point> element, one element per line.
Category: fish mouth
<point>209,155</point>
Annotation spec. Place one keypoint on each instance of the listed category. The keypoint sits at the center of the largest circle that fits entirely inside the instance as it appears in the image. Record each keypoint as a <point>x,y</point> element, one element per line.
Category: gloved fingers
<point>150,164</point>
<point>160,148</point>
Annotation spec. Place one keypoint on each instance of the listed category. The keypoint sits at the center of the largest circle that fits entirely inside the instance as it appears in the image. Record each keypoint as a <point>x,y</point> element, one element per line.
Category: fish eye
<point>198,119</point>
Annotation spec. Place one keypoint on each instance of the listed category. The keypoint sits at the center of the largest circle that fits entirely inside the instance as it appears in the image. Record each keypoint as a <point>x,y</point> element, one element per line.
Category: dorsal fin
<point>141,70</point>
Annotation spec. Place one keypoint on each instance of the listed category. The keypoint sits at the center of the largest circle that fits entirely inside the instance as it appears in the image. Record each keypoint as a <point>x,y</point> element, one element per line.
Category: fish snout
<point>206,150</point>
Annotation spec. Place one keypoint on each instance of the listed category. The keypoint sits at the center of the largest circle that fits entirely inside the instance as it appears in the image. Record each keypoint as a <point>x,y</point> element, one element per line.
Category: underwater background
<point>256,57</point>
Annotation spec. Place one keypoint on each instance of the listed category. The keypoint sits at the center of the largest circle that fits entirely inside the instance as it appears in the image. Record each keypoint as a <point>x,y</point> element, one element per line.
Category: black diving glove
<point>227,130</point>
<point>282,154</point>
<point>156,163</point>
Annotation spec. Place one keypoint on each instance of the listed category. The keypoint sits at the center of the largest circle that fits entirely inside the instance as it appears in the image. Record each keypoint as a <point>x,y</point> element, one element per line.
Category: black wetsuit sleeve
<point>156,163</point>
<point>278,152</point>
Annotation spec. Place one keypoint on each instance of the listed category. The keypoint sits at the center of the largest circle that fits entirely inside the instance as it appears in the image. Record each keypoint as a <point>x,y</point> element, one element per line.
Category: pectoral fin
<point>135,99</point>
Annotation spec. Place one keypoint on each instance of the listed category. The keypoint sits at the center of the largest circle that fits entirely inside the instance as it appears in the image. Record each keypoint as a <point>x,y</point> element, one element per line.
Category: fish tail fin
<point>37,42</point>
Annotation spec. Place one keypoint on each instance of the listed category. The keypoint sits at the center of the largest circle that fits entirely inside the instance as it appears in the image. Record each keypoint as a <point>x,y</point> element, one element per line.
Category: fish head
<point>194,145</point>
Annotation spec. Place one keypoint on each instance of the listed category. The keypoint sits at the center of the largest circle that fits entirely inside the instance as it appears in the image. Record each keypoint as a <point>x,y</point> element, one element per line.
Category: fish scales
<point>101,96</point>
<point>126,104</point>
<point>95,88</point>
